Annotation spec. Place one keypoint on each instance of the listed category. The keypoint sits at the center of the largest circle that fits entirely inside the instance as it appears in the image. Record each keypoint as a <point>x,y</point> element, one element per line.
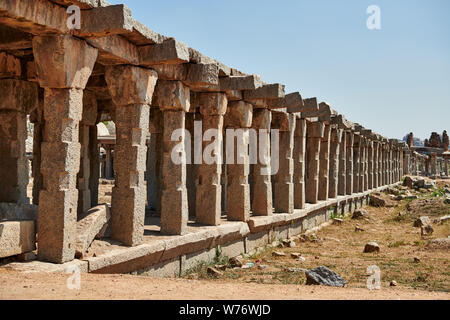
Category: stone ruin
<point>115,69</point>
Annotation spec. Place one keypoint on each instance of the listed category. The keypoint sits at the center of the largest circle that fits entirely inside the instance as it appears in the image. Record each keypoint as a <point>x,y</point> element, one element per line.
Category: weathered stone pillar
<point>299,164</point>
<point>336,138</point>
<point>238,120</point>
<point>154,156</point>
<point>375,163</point>
<point>131,89</point>
<point>262,204</point>
<point>370,165</point>
<point>64,78</point>
<point>94,157</point>
<point>213,107</point>
<point>366,165</point>
<point>17,98</point>
<point>324,166</point>
<point>108,162</point>
<point>350,140</point>
<point>381,168</point>
<point>283,187</point>
<point>356,162</point>
<point>191,168</point>
<point>433,162</point>
<point>89,119</point>
<point>37,118</point>
<point>446,165</point>
<point>173,98</point>
<point>342,173</point>
<point>362,164</point>
<point>407,162</point>
<point>315,132</point>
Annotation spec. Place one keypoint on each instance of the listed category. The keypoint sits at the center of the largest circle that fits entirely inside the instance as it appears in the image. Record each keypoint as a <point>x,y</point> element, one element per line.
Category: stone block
<point>18,95</point>
<point>89,225</point>
<point>203,77</point>
<point>172,95</point>
<point>170,51</point>
<point>130,84</point>
<point>280,121</point>
<point>71,62</point>
<point>17,237</point>
<point>268,91</point>
<point>251,82</point>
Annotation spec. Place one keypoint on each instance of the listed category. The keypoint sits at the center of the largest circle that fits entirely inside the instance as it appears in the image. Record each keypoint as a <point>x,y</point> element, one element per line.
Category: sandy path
<point>14,285</point>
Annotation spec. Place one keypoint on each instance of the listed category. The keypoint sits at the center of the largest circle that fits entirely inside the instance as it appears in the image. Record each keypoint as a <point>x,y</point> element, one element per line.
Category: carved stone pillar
<point>315,132</point>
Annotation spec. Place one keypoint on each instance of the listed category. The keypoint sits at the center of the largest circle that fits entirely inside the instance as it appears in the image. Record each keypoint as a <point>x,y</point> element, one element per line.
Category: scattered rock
<point>263,266</point>
<point>25,257</point>
<point>371,247</point>
<point>293,270</point>
<point>214,272</point>
<point>236,262</point>
<point>393,283</point>
<point>444,219</point>
<point>337,221</point>
<point>324,276</point>
<point>296,255</point>
<point>416,260</point>
<point>440,243</point>
<point>422,221</point>
<point>291,244</point>
<point>376,201</point>
<point>426,230</point>
<point>409,182</point>
<point>278,254</point>
<point>220,267</point>
<point>359,229</point>
<point>360,214</point>
<point>301,259</point>
<point>447,201</point>
<point>402,214</point>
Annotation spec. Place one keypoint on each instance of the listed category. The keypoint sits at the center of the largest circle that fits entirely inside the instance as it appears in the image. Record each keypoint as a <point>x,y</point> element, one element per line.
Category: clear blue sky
<point>393,81</point>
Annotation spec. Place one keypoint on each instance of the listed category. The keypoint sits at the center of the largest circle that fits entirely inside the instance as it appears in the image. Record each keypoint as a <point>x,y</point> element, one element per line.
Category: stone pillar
<point>94,157</point>
<point>154,156</point>
<point>299,164</point>
<point>315,132</point>
<point>356,162</point>
<point>362,164</point>
<point>89,118</point>
<point>342,174</point>
<point>336,138</point>
<point>191,168</point>
<point>433,162</point>
<point>17,98</point>
<point>131,89</point>
<point>350,139</point>
<point>108,162</point>
<point>324,166</point>
<point>262,204</point>
<point>239,118</point>
<point>407,162</point>
<point>446,165</point>
<point>213,107</point>
<point>368,168</point>
<point>64,78</point>
<point>381,168</point>
<point>173,98</point>
<point>385,164</point>
<point>37,118</point>
<point>283,187</point>
<point>375,163</point>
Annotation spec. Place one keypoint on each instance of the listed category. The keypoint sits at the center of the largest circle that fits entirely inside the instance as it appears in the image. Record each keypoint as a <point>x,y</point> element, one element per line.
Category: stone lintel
<point>292,101</point>
<point>18,95</point>
<point>211,104</point>
<point>250,82</point>
<point>280,121</point>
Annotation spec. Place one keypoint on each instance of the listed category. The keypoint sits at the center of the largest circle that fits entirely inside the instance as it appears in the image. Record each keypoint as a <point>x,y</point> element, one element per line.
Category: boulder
<point>371,247</point>
<point>426,230</point>
<point>361,214</point>
<point>236,262</point>
<point>422,221</point>
<point>440,243</point>
<point>324,276</point>
<point>408,182</point>
<point>376,201</point>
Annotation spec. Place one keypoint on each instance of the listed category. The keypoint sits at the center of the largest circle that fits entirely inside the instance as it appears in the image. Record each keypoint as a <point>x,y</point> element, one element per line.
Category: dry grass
<point>341,250</point>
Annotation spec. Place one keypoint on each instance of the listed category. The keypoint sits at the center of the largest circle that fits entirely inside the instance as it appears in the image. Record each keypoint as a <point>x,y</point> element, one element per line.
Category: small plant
<point>397,244</point>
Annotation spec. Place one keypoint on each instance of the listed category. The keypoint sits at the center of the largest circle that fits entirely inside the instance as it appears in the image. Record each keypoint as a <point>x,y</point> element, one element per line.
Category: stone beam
<point>13,39</point>
<point>170,51</point>
<point>292,101</point>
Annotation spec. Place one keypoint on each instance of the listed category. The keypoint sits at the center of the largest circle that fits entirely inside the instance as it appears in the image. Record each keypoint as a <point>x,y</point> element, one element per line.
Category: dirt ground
<point>34,286</point>
<point>405,257</point>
